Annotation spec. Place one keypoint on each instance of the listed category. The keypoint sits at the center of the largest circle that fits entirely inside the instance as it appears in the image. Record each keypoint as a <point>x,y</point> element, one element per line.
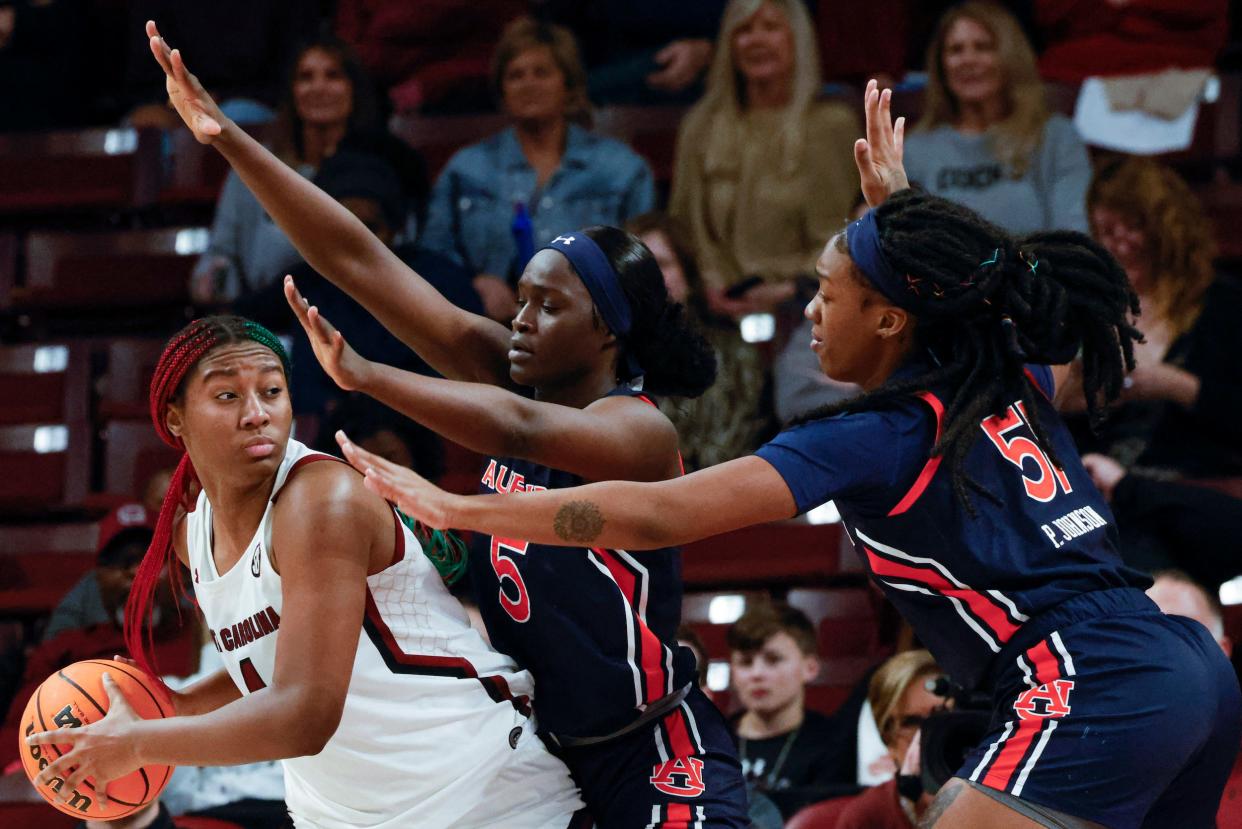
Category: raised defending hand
<point>413,494</point>
<point>347,368</point>
<point>185,93</point>
<point>879,155</point>
<point>103,751</point>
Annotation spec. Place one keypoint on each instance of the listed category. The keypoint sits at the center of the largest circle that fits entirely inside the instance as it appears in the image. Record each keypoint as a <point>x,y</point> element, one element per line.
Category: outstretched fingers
<point>361,459</point>
<point>163,55</point>
<point>383,486</point>
<point>316,326</point>
<point>190,88</point>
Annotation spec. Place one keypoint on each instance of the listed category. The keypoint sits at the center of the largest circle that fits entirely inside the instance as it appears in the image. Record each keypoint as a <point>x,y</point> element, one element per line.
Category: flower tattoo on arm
<point>579,522</point>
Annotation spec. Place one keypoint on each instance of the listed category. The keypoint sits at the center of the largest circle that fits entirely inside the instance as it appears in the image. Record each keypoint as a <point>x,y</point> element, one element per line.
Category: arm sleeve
<point>1066,178</point>
<point>863,456</point>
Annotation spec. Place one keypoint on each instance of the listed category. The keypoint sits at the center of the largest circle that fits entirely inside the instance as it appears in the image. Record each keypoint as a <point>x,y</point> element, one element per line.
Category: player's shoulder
<point>891,418</point>
<point>321,486</point>
<point>635,413</point>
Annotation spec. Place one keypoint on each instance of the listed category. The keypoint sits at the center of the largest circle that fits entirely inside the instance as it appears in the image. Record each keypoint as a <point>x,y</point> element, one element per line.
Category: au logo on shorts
<point>680,777</point>
<point>1048,701</point>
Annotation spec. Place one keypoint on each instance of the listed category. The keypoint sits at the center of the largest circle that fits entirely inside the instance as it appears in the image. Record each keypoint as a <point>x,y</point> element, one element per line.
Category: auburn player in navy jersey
<point>595,331</point>
<point>963,493</point>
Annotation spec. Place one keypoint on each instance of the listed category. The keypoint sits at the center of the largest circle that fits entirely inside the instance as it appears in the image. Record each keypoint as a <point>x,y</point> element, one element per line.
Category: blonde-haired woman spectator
<point>986,138</point>
<point>901,699</point>
<point>764,173</point>
<point>563,176</point>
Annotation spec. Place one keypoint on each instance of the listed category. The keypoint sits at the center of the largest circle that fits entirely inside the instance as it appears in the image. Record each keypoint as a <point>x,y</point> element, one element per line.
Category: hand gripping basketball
<point>101,752</point>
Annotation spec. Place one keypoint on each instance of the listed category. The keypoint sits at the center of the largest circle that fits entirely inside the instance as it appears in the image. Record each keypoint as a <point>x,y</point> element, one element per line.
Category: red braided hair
<point>181,355</point>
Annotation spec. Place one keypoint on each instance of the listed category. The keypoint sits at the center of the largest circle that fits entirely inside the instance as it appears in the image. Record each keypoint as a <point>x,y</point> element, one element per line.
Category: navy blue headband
<point>863,239</point>
<point>602,282</point>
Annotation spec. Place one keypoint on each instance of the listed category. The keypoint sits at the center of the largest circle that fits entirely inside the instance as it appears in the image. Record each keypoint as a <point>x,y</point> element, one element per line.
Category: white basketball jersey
<point>436,728</point>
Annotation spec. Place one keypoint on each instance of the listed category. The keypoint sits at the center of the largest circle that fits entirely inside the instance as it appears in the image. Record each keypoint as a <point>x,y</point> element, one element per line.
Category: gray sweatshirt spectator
<point>986,138</point>
<point>1050,193</point>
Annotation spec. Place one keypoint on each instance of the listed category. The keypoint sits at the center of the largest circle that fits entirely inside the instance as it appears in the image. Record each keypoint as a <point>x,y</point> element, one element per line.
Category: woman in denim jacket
<point>561,175</point>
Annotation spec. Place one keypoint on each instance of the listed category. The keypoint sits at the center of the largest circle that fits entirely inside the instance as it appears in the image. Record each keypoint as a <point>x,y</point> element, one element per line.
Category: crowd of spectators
<point>763,174</point>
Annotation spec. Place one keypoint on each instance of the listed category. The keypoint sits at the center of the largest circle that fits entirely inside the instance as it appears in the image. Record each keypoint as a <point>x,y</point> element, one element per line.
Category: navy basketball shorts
<point>679,772</point>
<point>1120,715</point>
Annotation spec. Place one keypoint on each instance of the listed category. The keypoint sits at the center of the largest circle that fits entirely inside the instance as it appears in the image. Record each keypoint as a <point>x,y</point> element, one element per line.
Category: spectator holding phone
<point>763,172</point>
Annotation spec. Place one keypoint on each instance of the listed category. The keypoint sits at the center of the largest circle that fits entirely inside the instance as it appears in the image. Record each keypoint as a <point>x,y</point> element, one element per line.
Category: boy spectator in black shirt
<point>788,753</point>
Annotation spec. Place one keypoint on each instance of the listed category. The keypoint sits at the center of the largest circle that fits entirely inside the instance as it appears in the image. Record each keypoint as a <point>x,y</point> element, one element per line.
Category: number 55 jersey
<point>1041,533</point>
<point>1103,708</point>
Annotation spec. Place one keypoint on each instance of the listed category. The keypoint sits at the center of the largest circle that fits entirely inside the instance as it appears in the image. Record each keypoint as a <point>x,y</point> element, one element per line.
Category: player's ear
<point>174,419</point>
<point>893,321</point>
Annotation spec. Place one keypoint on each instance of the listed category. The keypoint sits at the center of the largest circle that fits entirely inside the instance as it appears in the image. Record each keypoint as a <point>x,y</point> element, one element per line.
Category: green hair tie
<point>262,336</point>
<point>445,549</point>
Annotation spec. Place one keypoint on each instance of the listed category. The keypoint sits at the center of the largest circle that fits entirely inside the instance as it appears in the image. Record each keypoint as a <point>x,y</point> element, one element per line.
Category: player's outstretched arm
<point>879,156</point>
<point>596,443</point>
<point>615,514</point>
<point>336,244</point>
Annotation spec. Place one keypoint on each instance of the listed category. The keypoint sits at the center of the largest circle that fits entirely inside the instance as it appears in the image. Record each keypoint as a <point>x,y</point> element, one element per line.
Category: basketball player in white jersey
<point>345,655</point>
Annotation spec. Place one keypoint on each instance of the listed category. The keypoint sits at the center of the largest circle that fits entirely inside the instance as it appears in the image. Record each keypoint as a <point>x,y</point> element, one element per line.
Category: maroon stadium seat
<point>126,382</point>
<point>191,822</point>
<point>194,172</point>
<point>87,169</point>
<point>822,815</point>
<point>770,554</point>
<point>8,267</point>
<point>132,454</point>
<point>43,466</point>
<point>826,699</point>
<point>437,138</point>
<point>844,618</point>
<point>115,270</point>
<point>39,563</point>
<point>650,131</point>
<point>41,815</point>
<point>44,383</point>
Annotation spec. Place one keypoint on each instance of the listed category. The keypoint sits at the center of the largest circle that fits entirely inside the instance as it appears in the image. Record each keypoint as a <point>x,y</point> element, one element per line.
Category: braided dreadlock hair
<point>987,303</point>
<point>183,352</point>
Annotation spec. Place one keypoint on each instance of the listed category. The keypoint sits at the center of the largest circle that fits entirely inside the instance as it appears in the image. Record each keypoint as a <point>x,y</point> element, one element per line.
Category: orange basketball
<point>75,696</point>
